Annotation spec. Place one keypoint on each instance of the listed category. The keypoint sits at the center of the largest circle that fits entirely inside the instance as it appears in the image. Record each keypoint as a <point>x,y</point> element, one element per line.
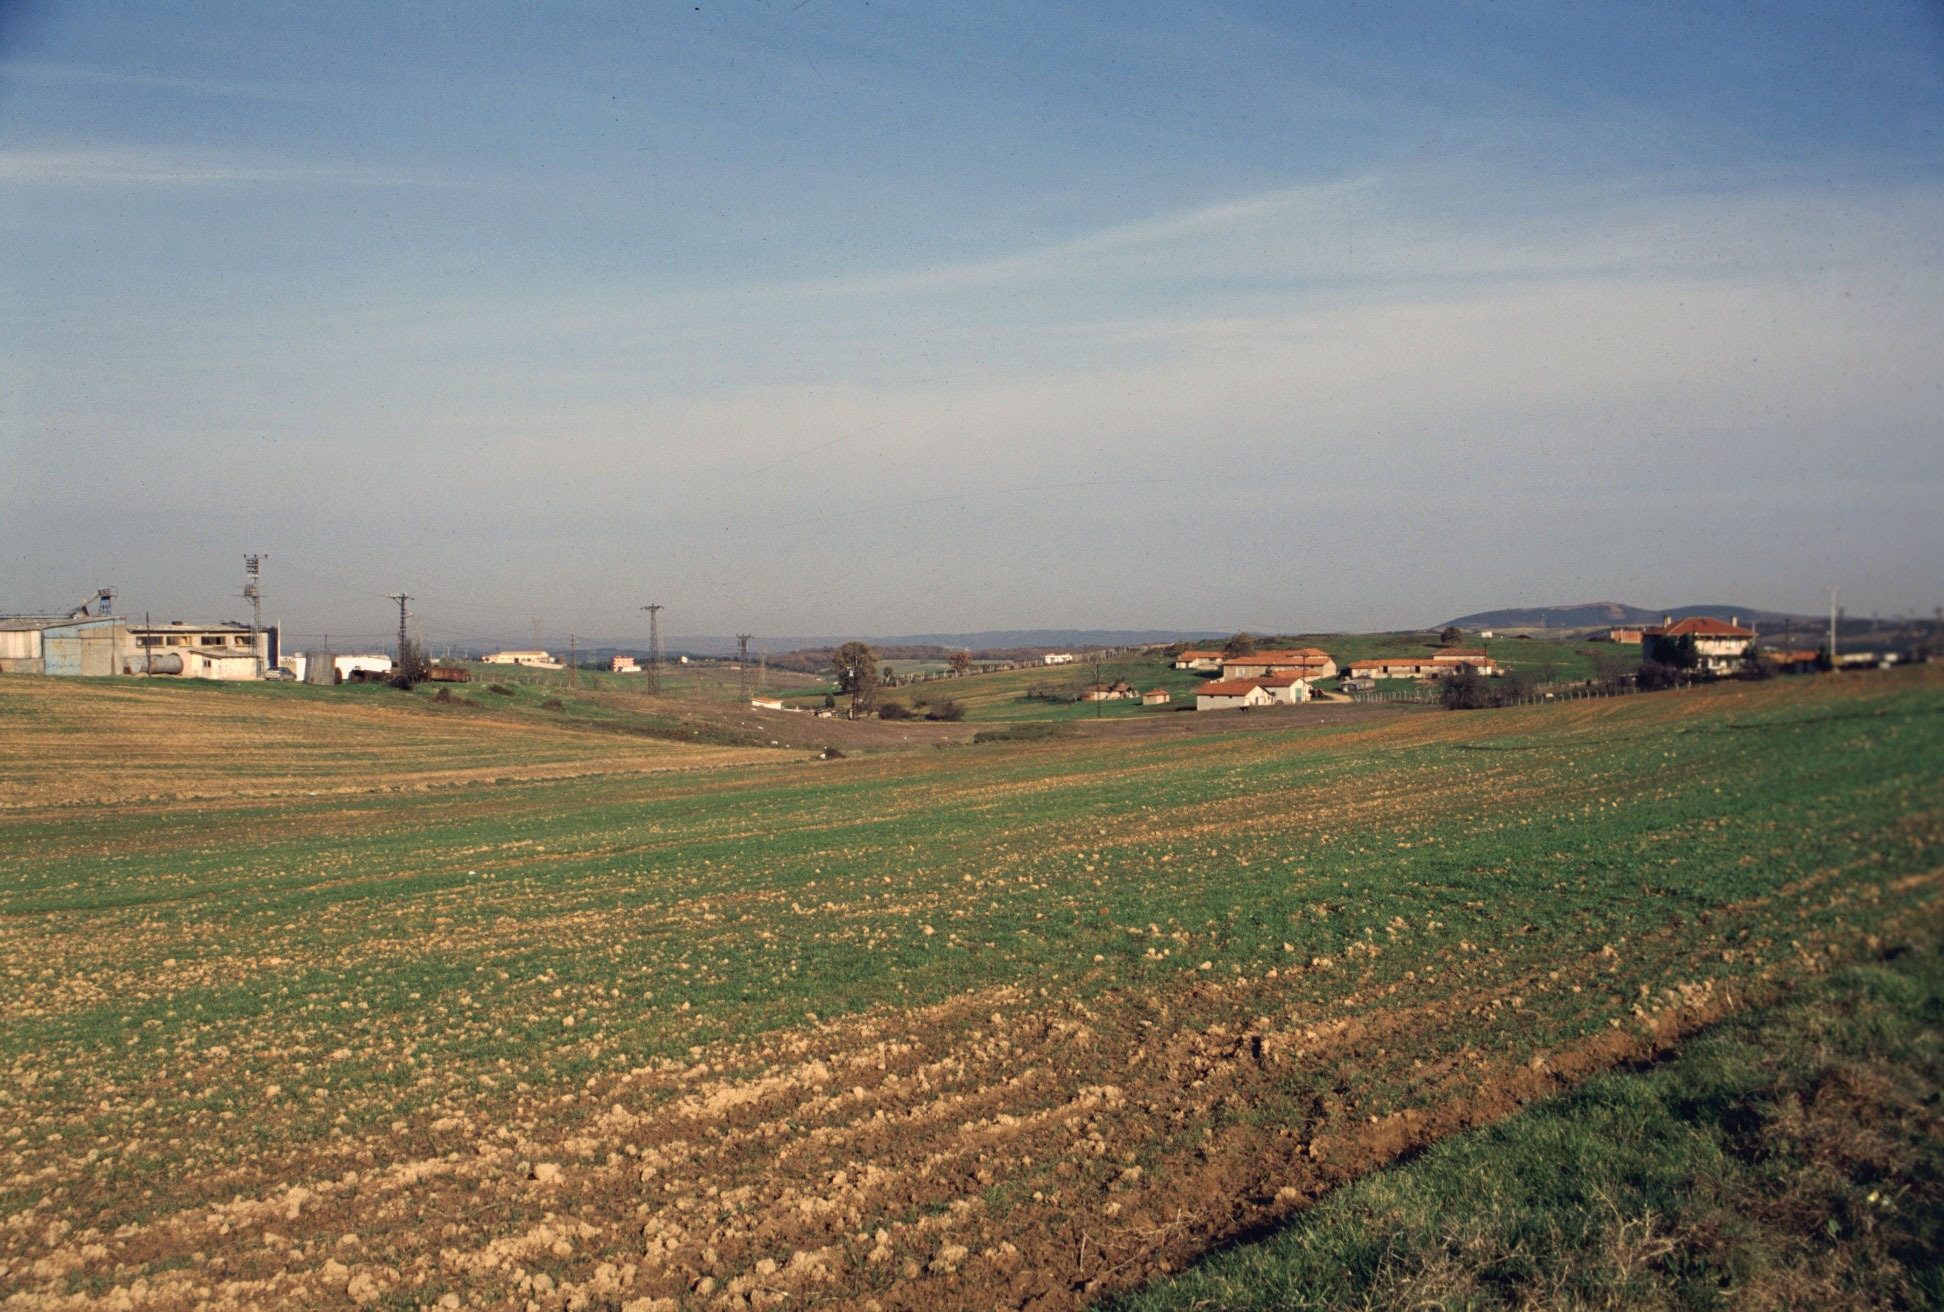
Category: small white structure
<point>344,667</point>
<point>1059,658</point>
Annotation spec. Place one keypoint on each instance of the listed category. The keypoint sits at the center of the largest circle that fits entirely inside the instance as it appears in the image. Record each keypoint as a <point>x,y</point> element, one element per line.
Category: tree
<point>856,668</point>
<point>1681,653</point>
<point>1240,644</point>
<point>959,662</point>
<point>1450,635</point>
<point>412,666</point>
<point>1464,690</point>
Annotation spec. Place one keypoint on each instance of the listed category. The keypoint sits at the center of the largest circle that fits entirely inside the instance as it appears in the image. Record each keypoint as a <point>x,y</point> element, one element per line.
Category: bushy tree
<point>1240,644</point>
<point>1658,676</point>
<point>856,668</point>
<point>1451,635</point>
<point>959,662</point>
<point>946,709</point>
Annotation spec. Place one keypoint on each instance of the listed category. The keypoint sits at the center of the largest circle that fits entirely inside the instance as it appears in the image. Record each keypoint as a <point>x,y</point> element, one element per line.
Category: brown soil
<point>1002,1149</point>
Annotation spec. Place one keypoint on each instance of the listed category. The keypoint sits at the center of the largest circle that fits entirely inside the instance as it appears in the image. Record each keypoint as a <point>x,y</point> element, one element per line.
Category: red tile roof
<point>1226,688</point>
<point>1702,626</point>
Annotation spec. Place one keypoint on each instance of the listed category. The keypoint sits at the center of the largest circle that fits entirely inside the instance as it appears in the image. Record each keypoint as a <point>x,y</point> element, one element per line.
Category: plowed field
<point>379,1009</point>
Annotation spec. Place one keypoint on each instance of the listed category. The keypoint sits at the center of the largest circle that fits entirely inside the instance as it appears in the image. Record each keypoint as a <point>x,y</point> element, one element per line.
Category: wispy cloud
<point>133,166</point>
<point>25,70</point>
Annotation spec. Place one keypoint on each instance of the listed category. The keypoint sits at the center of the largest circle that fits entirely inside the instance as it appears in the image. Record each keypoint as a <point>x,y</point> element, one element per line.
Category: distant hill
<point>986,640</point>
<point>1611,614</point>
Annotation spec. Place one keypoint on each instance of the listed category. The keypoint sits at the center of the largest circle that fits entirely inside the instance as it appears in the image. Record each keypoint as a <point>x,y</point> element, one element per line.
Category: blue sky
<point>835,317</point>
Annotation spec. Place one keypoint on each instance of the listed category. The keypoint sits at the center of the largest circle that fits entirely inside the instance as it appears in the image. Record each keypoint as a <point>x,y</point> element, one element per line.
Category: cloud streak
<point>169,167</point>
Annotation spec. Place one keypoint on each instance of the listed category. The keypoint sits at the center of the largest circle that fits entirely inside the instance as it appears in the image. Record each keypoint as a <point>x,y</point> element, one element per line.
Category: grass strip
<point>1791,1158</point>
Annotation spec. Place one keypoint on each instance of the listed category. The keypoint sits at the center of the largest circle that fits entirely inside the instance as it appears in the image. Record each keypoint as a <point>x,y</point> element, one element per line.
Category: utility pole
<point>1832,625</point>
<point>404,640</point>
<point>573,660</point>
<point>742,662</point>
<point>654,646</point>
<point>252,570</point>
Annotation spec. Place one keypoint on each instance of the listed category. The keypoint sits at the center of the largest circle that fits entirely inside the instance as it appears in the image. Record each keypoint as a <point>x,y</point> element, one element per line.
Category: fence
<point>1574,692</point>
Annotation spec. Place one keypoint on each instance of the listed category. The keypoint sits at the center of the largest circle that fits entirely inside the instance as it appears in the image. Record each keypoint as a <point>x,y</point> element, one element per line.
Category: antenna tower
<point>654,646</point>
<point>252,571</point>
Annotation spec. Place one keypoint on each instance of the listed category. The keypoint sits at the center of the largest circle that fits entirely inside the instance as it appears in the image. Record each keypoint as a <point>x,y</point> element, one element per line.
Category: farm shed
<point>1308,662</point>
<point>539,660</point>
<point>1208,661</point>
<point>20,646</point>
<point>1230,694</point>
<point>1156,697</point>
<point>83,647</point>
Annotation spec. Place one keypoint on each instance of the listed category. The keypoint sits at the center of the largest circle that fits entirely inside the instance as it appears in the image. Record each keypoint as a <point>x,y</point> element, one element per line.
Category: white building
<point>1232,694</point>
<point>1058,658</point>
<point>538,660</point>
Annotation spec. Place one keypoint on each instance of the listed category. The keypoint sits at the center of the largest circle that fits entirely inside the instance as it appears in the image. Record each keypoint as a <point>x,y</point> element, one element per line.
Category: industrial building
<point>96,645</point>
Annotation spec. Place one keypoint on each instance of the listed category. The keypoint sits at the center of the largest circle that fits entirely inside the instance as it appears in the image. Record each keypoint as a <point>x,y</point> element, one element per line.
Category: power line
<point>403,638</point>
<point>654,646</point>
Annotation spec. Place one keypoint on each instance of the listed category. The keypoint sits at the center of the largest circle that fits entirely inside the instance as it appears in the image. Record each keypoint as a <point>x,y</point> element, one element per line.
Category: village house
<point>1058,658</point>
<point>1207,661</point>
<point>1108,692</point>
<point>623,665</point>
<point>1720,647</point>
<point>1156,697</point>
<point>1285,689</point>
<point>1307,662</point>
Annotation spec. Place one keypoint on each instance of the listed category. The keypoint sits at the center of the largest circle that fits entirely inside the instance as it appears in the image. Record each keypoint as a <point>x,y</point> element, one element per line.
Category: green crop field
<point>325,995</point>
